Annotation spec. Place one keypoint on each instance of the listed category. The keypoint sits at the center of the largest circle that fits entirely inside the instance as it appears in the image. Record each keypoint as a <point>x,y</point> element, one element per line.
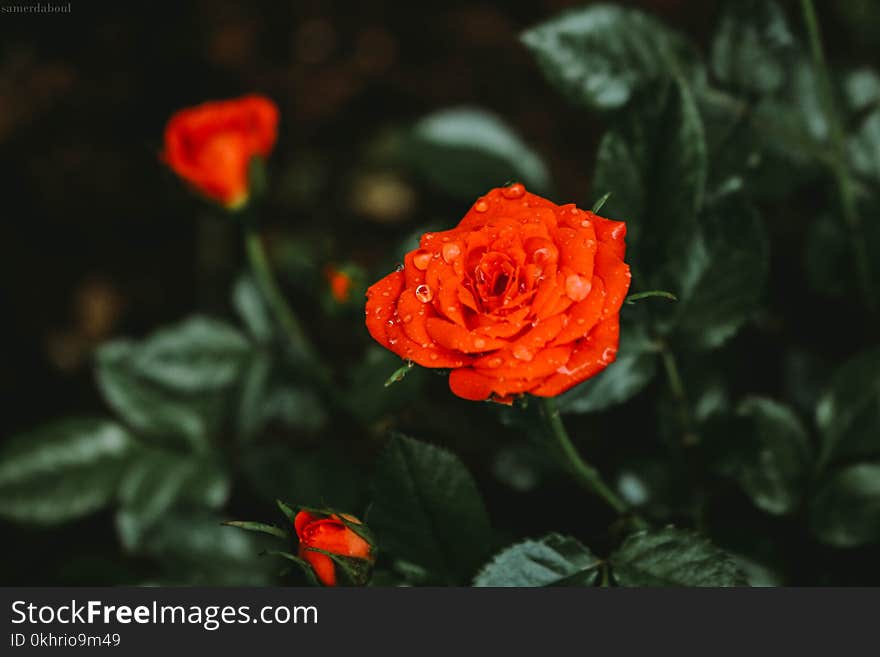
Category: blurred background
<point>100,241</point>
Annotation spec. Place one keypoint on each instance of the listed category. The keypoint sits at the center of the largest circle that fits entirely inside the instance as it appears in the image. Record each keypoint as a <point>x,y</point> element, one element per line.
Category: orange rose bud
<point>523,296</point>
<point>329,533</point>
<point>340,284</point>
<point>211,145</point>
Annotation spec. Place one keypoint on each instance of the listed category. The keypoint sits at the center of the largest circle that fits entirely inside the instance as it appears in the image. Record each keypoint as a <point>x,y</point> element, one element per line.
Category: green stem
<point>268,285</point>
<point>845,188</point>
<point>585,473</point>
<point>676,386</point>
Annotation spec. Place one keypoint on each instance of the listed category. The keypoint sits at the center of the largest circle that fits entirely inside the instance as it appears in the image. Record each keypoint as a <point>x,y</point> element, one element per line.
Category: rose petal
<point>381,303</point>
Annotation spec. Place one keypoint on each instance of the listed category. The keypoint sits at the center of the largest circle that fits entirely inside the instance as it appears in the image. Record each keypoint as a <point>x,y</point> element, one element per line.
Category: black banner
<point>136,621</point>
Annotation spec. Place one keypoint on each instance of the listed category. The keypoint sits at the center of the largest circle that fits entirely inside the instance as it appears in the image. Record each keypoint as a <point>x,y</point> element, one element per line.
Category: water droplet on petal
<point>577,287</point>
<point>495,362</point>
<point>407,319</point>
<point>609,354</point>
<point>390,322</point>
<point>399,267</point>
<point>522,352</point>
<point>481,206</point>
<point>479,343</point>
<point>421,258</point>
<point>586,223</point>
<point>451,251</point>
<point>424,293</point>
<point>516,190</point>
<point>434,356</point>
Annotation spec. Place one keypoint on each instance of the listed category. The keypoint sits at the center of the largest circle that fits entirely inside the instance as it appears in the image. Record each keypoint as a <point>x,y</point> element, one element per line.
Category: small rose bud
<point>333,534</point>
<point>211,145</point>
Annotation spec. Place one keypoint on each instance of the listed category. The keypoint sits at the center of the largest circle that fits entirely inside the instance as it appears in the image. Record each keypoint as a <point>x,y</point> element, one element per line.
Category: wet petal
<point>381,303</point>
<point>454,337</point>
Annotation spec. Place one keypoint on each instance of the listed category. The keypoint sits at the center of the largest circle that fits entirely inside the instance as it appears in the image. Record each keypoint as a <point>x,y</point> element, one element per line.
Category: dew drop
<point>586,223</point>
<point>495,362</point>
<point>421,258</point>
<point>390,322</point>
<point>608,354</point>
<point>481,206</point>
<point>577,287</point>
<point>407,319</point>
<point>434,357</point>
<point>516,190</point>
<point>399,267</point>
<point>424,293</point>
<point>479,343</point>
<point>522,352</point>
<point>451,251</point>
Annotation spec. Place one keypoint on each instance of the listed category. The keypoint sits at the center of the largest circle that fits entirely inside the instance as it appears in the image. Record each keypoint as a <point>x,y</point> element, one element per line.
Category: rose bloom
<point>211,145</point>
<point>330,534</point>
<point>523,296</point>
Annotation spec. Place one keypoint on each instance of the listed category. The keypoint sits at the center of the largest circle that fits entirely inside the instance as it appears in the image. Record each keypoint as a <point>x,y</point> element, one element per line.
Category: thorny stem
<point>585,473</point>
<point>842,179</point>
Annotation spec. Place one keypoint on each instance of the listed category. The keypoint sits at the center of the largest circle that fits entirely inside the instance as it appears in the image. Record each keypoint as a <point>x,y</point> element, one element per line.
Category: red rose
<point>522,296</point>
<point>328,533</point>
<point>211,145</point>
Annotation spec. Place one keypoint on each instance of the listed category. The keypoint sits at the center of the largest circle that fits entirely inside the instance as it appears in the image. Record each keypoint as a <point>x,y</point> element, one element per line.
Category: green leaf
<point>673,557</point>
<point>753,46</point>
<point>193,548</point>
<point>160,480</point>
<point>288,511</point>
<point>147,407</point>
<point>862,89</point>
<point>549,561</point>
<point>634,368</point>
<point>655,164</point>
<point>465,151</point>
<point>259,527</point>
<point>722,276</point>
<point>251,307</point>
<point>427,510</point>
<point>846,510</point>
<point>774,469</point>
<point>864,148</point>
<point>600,203</point>
<point>599,56</point>
<point>63,470</point>
<point>398,375</point>
<point>196,355</point>
<point>848,412</point>
<point>638,296</point>
<point>306,567</point>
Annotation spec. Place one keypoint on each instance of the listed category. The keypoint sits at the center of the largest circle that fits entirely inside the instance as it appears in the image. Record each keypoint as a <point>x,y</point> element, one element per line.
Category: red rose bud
<point>523,296</point>
<point>330,534</point>
<point>340,284</point>
<point>211,145</point>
